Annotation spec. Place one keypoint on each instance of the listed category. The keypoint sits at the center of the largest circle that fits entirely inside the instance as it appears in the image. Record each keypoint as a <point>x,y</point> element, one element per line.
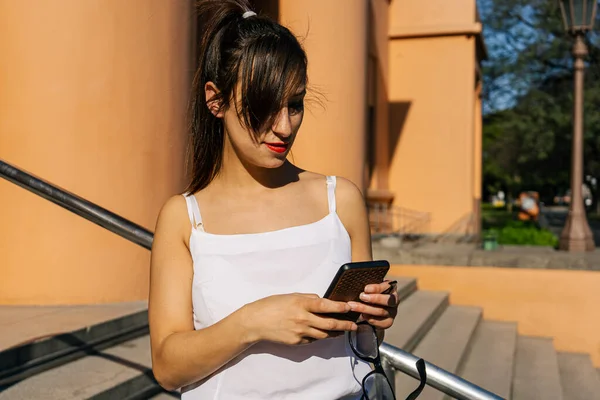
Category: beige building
<point>93,96</point>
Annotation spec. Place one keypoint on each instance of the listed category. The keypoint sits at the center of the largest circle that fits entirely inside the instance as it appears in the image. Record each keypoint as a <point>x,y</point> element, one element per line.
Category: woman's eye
<point>295,107</point>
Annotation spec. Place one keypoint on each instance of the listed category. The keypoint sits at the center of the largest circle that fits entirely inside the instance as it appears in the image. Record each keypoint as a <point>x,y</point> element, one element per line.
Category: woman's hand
<point>379,309</point>
<point>293,319</point>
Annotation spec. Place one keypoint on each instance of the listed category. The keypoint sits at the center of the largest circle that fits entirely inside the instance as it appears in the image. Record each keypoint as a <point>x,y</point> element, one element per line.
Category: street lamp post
<point>578,17</point>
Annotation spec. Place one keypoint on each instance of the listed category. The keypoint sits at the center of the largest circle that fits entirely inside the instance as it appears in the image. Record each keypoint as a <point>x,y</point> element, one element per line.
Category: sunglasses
<point>375,384</point>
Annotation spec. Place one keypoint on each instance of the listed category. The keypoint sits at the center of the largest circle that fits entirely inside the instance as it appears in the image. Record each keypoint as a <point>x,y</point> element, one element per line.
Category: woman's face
<point>270,147</point>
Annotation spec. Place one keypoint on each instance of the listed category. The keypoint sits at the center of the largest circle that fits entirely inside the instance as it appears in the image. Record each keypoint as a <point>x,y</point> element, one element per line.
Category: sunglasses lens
<point>377,387</point>
<point>364,340</point>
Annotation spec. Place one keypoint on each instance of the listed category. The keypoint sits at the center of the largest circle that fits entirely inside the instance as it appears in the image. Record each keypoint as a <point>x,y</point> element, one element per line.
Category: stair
<point>536,370</point>
<point>451,332</point>
<point>418,312</point>
<point>106,360</point>
<point>488,353</point>
<point>579,379</point>
<point>493,349</point>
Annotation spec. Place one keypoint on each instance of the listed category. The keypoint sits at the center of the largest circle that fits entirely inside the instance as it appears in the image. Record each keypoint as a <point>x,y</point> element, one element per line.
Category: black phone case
<point>350,281</point>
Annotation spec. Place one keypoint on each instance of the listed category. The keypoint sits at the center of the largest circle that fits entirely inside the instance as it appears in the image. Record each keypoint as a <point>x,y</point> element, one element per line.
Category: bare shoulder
<point>311,177</point>
<point>173,217</point>
<point>313,184</point>
<point>352,211</point>
<point>350,204</point>
<point>348,195</point>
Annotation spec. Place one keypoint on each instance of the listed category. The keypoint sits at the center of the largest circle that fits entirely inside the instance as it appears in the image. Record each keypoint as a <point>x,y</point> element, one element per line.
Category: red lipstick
<point>277,147</point>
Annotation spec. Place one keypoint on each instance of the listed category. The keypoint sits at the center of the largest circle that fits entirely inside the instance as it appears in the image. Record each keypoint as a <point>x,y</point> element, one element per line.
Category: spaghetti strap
<point>193,211</point>
<point>331,181</point>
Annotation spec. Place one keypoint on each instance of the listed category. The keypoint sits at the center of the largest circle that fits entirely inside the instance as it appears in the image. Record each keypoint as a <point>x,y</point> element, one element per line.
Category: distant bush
<point>523,233</point>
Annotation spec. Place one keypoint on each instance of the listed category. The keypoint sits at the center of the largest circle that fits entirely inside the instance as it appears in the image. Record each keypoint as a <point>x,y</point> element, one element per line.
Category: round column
<point>93,100</point>
<point>334,34</point>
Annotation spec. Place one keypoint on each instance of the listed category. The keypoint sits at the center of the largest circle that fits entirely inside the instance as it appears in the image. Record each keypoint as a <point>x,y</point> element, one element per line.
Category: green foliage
<point>495,218</point>
<point>523,233</point>
<point>503,225</point>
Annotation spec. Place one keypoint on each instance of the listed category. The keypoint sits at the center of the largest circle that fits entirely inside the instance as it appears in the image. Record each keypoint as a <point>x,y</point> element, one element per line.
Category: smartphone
<point>350,282</point>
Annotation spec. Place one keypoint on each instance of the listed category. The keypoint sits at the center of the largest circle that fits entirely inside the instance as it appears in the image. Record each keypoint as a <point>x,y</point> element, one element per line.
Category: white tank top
<point>233,270</point>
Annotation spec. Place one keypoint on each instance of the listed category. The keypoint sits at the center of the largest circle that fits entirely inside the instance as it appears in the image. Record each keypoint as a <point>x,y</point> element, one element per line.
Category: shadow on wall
<point>386,219</point>
<point>398,114</point>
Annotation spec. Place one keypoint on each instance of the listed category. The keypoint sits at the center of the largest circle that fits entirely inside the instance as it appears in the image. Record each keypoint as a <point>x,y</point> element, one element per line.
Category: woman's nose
<point>282,125</point>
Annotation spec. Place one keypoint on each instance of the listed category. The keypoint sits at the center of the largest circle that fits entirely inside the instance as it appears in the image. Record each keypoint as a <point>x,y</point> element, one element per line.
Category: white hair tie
<point>248,14</point>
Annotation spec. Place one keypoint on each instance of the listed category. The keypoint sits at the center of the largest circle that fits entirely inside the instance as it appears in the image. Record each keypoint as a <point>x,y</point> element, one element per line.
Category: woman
<point>239,262</point>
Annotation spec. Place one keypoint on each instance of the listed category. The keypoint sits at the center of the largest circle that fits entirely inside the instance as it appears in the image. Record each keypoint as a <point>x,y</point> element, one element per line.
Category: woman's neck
<point>235,173</point>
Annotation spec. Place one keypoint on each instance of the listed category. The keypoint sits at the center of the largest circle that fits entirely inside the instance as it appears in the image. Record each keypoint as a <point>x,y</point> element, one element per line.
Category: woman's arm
<point>353,214</point>
<point>380,309</point>
<point>181,355</point>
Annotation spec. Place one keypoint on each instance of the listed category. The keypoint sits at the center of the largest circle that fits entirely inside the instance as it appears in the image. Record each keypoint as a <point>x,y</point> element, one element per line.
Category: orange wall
<point>407,14</point>
<point>432,82</point>
<point>560,304</point>
<point>332,139</point>
<point>92,99</point>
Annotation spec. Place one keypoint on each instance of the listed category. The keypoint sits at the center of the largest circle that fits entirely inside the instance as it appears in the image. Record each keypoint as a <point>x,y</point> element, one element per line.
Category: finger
<point>322,306</point>
<point>371,310</point>
<point>376,287</point>
<point>383,287</point>
<point>331,324</point>
<point>378,322</point>
<point>315,334</point>
<point>388,300</point>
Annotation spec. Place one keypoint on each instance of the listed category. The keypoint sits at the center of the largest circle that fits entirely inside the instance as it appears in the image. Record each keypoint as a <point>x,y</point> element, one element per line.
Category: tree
<point>528,87</point>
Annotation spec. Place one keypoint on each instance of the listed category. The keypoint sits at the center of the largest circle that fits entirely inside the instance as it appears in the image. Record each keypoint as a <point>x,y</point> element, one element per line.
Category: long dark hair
<point>264,58</point>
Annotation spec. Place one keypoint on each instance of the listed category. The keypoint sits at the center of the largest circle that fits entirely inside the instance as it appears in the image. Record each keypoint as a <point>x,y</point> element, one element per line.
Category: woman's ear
<point>212,101</point>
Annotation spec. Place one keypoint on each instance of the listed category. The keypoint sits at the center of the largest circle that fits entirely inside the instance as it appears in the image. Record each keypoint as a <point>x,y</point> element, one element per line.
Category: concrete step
<point>119,372</point>
<point>52,336</point>
<point>445,345</point>
<point>490,361</point>
<point>405,287</point>
<point>416,314</point>
<point>536,370</point>
<point>579,379</point>
<point>27,324</point>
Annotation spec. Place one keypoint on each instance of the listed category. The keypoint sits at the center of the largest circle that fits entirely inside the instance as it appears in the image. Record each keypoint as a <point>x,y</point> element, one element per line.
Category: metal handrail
<point>437,377</point>
<point>399,359</point>
<point>80,206</point>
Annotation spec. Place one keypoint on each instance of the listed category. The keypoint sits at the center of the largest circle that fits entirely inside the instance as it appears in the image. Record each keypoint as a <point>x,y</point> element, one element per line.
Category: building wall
<point>93,98</point>
<point>436,14</point>
<point>546,303</point>
<point>431,92</point>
